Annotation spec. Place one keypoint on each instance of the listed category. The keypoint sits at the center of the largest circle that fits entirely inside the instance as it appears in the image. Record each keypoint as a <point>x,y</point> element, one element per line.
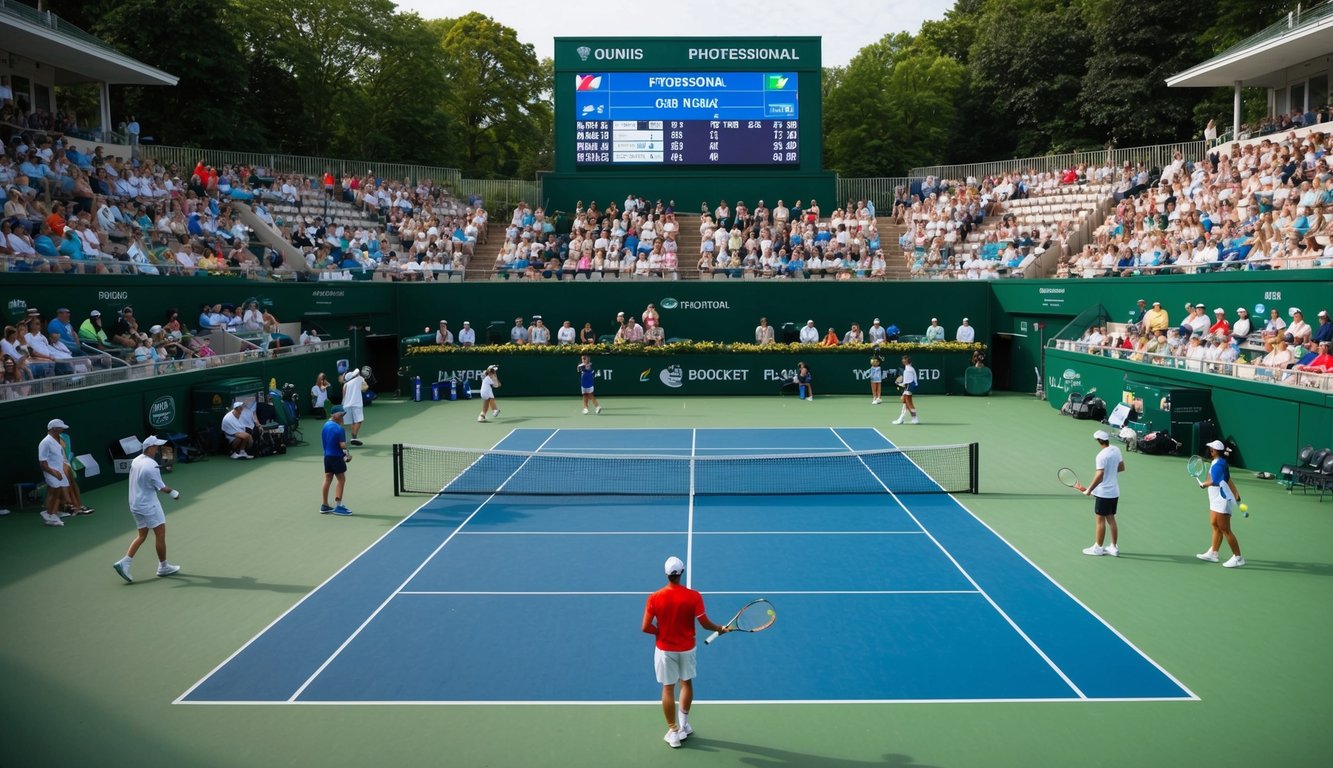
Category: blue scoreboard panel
<point>690,118</point>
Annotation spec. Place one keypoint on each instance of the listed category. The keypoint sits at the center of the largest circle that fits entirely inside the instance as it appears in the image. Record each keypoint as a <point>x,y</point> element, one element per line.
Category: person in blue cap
<point>336,456</point>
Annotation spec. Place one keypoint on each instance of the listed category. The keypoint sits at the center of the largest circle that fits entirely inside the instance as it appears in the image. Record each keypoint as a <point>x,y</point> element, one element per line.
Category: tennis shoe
<point>1095,551</point>
<point>684,730</point>
<point>1210,556</point>
<point>1113,551</point>
<point>52,520</point>
<point>1236,561</point>
<point>324,509</point>
<point>915,420</point>
<point>481,417</point>
<point>64,513</point>
<point>84,510</point>
<point>585,411</point>
<point>123,569</point>
<point>495,413</point>
<point>3,511</point>
<point>672,738</point>
<point>237,455</point>
<point>341,510</point>
<point>356,442</point>
<point>898,420</point>
<point>599,409</point>
<point>166,569</point>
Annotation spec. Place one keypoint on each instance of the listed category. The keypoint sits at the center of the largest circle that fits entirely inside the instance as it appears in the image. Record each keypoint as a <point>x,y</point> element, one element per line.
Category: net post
<point>974,467</point>
<point>397,469</point>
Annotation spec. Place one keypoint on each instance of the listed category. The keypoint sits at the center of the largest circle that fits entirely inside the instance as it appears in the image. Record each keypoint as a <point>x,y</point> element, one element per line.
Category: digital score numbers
<point>730,118</point>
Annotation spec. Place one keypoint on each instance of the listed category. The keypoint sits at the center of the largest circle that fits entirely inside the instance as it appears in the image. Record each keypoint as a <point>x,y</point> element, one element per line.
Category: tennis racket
<point>898,381</point>
<point>1070,479</point>
<point>756,615</point>
<point>1195,467</point>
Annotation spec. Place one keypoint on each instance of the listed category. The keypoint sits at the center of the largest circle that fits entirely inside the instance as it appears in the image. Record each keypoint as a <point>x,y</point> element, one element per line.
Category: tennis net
<point>925,469</point>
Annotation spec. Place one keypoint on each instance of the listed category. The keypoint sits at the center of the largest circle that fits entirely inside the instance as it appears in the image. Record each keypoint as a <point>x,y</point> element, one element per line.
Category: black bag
<point>1159,443</point>
<point>210,440</point>
<point>1092,408</point>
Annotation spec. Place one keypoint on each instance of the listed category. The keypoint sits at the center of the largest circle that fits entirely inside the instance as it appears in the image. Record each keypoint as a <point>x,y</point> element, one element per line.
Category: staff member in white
<point>51,456</point>
<point>908,385</point>
<point>490,381</point>
<point>763,333</point>
<point>145,484</point>
<point>966,333</point>
<point>1105,488</point>
<point>354,383</point>
<point>876,334</point>
<point>566,334</point>
<point>444,336</point>
<point>1222,500</point>
<point>233,426</point>
<point>935,331</point>
<point>809,334</point>
<point>467,337</point>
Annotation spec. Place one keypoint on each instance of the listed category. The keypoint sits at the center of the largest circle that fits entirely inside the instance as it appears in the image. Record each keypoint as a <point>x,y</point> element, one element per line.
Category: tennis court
<point>885,590</point>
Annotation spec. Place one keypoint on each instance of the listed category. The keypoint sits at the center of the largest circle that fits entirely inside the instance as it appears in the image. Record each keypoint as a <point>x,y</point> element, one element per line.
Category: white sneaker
<point>237,455</point>
<point>166,569</point>
<point>1236,561</point>
<point>684,730</point>
<point>599,409</point>
<point>123,568</point>
<point>3,511</point>
<point>481,417</point>
<point>898,420</point>
<point>672,738</point>
<point>1210,556</point>
<point>585,411</point>
<point>915,420</point>
<point>53,520</point>
<point>65,513</point>
<point>1095,551</point>
<point>245,454</point>
<point>495,413</point>
<point>1113,551</point>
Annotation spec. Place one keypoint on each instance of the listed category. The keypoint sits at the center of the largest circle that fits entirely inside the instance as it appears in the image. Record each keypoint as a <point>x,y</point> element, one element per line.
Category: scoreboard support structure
<point>693,120</point>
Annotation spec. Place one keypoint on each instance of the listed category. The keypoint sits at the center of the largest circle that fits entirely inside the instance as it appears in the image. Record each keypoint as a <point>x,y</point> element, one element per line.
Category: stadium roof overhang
<point>74,59</point>
<point>1262,63</point>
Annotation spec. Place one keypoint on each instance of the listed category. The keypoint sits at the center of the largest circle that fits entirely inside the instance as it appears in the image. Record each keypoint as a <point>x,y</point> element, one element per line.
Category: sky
<point>844,27</point>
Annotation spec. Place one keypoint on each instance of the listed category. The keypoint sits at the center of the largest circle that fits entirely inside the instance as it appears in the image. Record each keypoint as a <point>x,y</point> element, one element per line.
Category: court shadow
<point>769,757</point>
<point>186,580</point>
<point>1251,564</point>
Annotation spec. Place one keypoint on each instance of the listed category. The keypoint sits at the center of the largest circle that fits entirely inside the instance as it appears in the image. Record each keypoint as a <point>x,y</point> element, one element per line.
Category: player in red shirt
<point>670,615</point>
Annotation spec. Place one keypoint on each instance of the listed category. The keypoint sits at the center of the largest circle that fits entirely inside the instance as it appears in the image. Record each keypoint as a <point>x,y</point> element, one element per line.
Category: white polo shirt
<point>145,482</point>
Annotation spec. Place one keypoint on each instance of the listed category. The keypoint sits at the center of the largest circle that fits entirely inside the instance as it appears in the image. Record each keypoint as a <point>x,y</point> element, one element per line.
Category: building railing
<point>1286,377</point>
<point>91,375</point>
<point>881,190</point>
<point>1293,22</point>
<point>1151,156</point>
<point>49,20</point>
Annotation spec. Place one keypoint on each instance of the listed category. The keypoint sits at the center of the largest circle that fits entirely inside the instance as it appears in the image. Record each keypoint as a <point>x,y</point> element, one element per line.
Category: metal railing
<point>881,190</point>
<point>1150,156</point>
<point>51,21</point>
<point>1285,377</point>
<point>92,376</point>
<point>1291,23</point>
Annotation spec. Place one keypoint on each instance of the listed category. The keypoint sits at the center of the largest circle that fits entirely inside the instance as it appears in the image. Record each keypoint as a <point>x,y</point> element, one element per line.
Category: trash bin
<point>977,381</point>
<point>220,394</point>
<point>497,332</point>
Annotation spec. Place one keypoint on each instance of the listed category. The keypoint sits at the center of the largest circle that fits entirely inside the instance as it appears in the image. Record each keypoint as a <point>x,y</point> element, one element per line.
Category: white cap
<point>1219,311</point>
<point>1242,309</point>
<point>1292,312</point>
<point>674,566</point>
<point>153,440</point>
<point>965,319</point>
<point>809,322</point>
<point>1217,445</point>
<point>934,319</point>
<point>466,323</point>
<point>877,319</point>
<point>237,404</point>
<point>56,424</point>
<point>1102,435</point>
<point>1323,313</point>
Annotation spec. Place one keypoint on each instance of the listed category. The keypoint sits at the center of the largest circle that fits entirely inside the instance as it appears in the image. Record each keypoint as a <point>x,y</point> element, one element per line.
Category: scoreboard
<point>694,118</point>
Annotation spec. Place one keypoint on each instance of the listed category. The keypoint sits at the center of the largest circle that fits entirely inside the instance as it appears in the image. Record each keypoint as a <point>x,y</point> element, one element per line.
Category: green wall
<point>1270,422</point>
<point>99,415</point>
<point>732,373</point>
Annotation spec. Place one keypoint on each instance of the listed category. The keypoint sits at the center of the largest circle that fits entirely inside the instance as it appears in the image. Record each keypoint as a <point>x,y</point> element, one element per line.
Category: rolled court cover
<point>924,469</point>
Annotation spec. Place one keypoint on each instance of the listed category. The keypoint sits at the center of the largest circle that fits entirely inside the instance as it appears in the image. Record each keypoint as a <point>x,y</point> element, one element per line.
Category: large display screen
<point>692,118</point>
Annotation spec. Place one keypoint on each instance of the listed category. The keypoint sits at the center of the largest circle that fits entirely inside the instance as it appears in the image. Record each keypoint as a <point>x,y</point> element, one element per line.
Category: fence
<point>1151,156</point>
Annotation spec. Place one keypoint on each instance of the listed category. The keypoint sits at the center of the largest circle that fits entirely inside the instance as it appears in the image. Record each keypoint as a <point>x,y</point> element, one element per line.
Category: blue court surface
<point>478,599</point>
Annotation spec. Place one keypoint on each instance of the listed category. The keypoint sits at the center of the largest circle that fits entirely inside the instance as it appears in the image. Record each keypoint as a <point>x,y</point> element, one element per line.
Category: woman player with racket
<point>1222,495</point>
<point>587,378</point>
<point>907,383</point>
<point>490,381</point>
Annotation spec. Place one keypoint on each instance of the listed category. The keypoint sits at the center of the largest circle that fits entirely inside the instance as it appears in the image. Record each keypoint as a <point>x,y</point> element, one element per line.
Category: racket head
<point>1195,467</point>
<point>754,616</point>
<point>1067,476</point>
<point>898,381</point>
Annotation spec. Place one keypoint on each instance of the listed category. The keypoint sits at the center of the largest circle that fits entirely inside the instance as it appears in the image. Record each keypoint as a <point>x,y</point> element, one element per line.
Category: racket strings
<point>754,617</point>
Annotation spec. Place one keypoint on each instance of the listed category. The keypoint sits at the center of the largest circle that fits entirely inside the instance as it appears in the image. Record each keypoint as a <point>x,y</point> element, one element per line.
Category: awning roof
<point>1263,62</point>
<point>75,59</point>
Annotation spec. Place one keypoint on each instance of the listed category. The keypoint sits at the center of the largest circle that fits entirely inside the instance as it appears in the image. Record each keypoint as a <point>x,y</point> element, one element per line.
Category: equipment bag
<point>1159,443</point>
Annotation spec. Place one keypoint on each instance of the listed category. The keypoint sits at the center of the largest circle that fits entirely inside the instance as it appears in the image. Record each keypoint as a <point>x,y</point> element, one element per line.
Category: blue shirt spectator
<point>44,244</point>
<point>60,324</point>
<point>72,245</point>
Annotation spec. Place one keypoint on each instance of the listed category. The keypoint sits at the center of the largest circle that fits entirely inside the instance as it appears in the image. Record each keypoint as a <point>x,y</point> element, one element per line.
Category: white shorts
<point>1220,505</point>
<point>673,666</point>
<point>353,414</point>
<point>150,519</point>
<point>51,482</point>
<point>586,390</point>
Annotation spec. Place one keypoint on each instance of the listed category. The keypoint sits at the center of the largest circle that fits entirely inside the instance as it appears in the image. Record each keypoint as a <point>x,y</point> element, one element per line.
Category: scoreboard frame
<point>689,184</point>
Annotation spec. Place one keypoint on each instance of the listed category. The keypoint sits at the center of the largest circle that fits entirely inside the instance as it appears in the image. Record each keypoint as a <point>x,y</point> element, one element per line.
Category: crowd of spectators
<point>1219,341</point>
<point>636,240</point>
<point>1256,206</point>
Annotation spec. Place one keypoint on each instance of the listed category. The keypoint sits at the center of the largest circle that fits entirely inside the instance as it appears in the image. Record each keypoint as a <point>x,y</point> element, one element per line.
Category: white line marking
<point>695,533</point>
<point>411,576</point>
<point>1193,696</point>
<point>1050,662</point>
<point>658,704</point>
<point>689,525</point>
<point>639,592</point>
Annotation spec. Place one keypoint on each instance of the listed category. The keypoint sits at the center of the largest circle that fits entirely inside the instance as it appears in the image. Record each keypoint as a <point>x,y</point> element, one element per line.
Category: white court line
<point>639,592</point>
<point>1049,661</point>
<point>411,576</point>
<point>689,525</point>
<point>657,704</point>
<point>308,595</point>
<point>1193,696</point>
<point>690,533</point>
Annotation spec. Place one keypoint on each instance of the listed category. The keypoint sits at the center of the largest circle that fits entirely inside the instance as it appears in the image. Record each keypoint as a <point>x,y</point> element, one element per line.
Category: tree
<point>495,93</point>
